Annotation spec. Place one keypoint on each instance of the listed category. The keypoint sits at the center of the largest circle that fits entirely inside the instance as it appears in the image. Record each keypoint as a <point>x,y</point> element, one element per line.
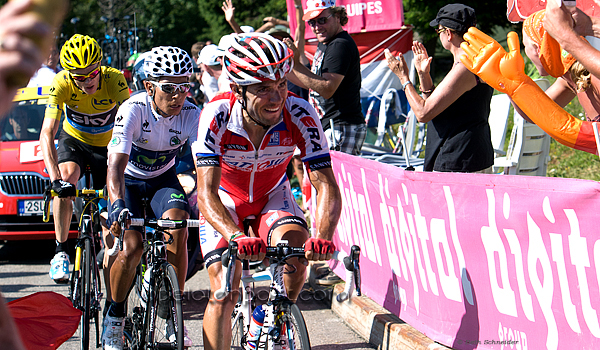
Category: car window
<point>24,121</point>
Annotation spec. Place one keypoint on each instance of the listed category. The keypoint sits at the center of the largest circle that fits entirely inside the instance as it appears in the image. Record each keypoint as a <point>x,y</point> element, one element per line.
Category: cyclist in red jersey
<point>246,139</point>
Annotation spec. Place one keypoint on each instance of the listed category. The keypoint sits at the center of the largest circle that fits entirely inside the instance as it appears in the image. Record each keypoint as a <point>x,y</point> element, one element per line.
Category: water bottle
<point>256,323</point>
<point>145,286</point>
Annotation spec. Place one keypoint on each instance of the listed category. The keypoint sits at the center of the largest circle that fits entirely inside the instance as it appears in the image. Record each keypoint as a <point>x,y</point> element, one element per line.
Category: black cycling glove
<point>63,188</point>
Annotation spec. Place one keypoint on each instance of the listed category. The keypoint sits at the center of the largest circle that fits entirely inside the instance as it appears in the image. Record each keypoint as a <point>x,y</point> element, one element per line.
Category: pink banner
<point>473,260</point>
<point>363,15</point>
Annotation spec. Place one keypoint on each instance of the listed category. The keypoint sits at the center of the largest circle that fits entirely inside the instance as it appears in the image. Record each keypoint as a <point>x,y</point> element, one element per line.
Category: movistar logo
<point>145,160</point>
<point>177,196</point>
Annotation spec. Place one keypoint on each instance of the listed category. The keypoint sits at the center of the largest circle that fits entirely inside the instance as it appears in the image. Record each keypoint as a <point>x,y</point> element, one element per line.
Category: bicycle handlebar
<point>83,193</point>
<point>282,252</point>
<point>160,224</point>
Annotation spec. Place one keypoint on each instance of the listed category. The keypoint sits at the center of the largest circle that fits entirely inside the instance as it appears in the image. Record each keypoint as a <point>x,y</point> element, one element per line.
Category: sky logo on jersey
<point>175,141</point>
<point>274,140</point>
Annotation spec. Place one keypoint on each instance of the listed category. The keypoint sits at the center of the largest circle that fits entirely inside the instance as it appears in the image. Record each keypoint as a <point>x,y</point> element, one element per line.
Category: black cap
<point>455,16</point>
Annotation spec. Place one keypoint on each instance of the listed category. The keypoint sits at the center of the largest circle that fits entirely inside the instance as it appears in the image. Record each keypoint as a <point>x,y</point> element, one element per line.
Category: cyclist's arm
<point>329,202</point>
<point>115,179</point>
<point>209,202</point>
<point>49,129</point>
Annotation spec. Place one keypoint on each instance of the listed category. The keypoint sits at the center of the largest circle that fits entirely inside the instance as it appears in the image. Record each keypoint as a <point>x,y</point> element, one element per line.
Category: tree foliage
<point>490,13</point>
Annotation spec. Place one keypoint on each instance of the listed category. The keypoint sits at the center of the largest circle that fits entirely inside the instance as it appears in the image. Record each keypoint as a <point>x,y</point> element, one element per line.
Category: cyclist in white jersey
<point>150,128</point>
<point>245,142</point>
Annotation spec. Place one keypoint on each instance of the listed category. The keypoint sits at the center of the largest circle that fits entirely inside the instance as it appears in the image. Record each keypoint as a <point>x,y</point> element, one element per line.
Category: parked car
<point>23,176</point>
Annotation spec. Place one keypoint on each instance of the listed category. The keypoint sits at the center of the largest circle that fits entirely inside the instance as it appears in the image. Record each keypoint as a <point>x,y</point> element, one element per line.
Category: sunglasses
<point>172,88</point>
<point>84,77</point>
<point>440,30</point>
<point>320,20</point>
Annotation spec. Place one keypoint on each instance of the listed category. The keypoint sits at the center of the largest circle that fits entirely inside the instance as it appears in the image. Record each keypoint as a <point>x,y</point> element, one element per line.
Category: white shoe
<point>170,335</point>
<point>112,334</point>
<point>59,268</point>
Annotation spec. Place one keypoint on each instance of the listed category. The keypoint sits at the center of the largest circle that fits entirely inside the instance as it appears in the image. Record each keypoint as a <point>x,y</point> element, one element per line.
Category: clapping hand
<point>422,59</point>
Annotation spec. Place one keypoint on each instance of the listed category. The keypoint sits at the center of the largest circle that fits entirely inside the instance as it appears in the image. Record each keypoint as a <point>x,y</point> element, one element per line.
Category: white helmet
<point>256,57</point>
<point>168,61</point>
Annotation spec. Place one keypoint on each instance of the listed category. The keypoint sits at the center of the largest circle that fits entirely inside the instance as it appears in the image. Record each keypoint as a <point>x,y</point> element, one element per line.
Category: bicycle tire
<point>86,286</point>
<point>237,331</point>
<point>134,321</point>
<point>165,310</point>
<point>299,333</point>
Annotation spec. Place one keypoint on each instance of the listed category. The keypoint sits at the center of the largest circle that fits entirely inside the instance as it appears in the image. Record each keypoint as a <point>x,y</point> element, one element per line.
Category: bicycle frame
<point>155,258</point>
<point>277,307</point>
<point>85,282</point>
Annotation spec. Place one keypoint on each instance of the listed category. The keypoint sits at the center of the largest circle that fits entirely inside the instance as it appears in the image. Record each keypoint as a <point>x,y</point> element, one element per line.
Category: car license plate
<point>32,207</point>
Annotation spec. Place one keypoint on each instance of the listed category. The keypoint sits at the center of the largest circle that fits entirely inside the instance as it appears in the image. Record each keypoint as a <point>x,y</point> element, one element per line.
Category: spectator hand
<point>422,59</point>
<point>318,249</point>
<point>228,9</point>
<point>583,23</point>
<point>398,66</point>
<point>558,21</point>
<point>250,248</point>
<point>294,49</point>
<point>504,71</point>
<point>63,189</point>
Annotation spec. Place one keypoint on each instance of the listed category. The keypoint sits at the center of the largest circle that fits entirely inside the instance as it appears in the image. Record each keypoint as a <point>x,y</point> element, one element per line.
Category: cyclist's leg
<point>216,325</point>
<point>68,159</point>
<point>124,267</point>
<point>170,202</point>
<point>99,170</point>
<point>282,219</point>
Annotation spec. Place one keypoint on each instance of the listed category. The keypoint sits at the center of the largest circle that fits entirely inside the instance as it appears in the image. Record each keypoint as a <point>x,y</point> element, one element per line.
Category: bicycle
<point>283,320</point>
<point>85,289</point>
<point>154,302</point>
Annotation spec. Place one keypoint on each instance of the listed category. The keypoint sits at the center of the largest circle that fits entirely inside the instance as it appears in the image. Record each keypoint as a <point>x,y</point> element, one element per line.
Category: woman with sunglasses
<point>457,110</point>
<point>89,95</point>
<point>151,128</point>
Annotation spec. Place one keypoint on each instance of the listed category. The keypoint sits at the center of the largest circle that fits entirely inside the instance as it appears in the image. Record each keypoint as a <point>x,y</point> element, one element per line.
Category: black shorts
<point>71,149</point>
<point>164,192</point>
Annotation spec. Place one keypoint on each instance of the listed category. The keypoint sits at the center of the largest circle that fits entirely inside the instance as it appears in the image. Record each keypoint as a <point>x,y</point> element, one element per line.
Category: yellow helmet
<point>80,51</point>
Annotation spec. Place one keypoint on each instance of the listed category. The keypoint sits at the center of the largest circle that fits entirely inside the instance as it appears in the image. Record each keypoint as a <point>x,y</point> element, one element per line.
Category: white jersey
<point>151,141</point>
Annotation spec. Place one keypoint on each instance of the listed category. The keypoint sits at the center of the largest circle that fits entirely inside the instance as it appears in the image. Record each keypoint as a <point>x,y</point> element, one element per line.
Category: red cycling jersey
<point>248,173</point>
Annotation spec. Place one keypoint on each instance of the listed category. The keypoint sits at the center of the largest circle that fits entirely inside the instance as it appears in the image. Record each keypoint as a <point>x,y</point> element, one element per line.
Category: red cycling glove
<point>250,245</point>
<point>319,246</point>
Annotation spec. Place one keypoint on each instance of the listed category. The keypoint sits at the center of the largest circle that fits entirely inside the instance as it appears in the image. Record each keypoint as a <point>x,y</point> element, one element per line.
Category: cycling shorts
<point>264,215</point>
<point>71,149</point>
<point>164,192</point>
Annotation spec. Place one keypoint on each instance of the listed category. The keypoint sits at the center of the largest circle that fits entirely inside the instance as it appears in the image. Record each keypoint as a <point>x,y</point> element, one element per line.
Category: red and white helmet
<point>252,58</point>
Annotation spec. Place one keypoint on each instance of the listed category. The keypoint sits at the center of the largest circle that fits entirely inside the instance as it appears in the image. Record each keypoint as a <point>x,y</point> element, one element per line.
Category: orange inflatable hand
<point>486,58</point>
<point>504,71</point>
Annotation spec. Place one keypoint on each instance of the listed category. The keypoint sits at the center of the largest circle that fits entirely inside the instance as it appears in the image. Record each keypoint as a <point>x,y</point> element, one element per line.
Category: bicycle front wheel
<point>86,287</point>
<point>134,321</point>
<point>237,331</point>
<point>165,312</point>
<point>295,330</point>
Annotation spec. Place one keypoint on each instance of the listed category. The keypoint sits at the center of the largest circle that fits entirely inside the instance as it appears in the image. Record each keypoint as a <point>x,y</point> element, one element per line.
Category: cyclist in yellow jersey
<point>89,95</point>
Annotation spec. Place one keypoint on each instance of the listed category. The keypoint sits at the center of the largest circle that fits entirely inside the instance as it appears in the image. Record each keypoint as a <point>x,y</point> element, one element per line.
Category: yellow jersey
<point>88,118</point>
